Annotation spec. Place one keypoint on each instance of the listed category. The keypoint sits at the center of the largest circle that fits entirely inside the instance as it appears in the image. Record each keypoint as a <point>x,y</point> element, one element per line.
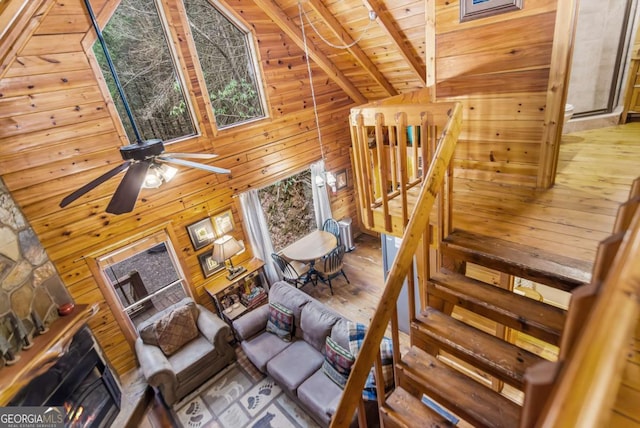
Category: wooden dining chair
<point>332,226</point>
<point>295,273</point>
<point>331,266</point>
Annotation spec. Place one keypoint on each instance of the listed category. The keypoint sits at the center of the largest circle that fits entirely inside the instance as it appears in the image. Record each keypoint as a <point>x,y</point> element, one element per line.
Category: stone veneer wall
<point>29,282</point>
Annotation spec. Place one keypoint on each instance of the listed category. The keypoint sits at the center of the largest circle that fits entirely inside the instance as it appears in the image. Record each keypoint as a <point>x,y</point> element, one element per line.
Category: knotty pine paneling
<point>57,135</point>
<point>498,67</point>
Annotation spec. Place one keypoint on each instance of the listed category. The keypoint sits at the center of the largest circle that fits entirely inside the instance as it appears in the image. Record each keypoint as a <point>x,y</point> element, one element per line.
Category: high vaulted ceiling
<point>389,57</point>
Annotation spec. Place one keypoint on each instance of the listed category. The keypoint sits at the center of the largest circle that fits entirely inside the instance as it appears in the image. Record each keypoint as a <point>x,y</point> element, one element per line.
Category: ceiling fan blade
<point>124,199</point>
<point>94,183</point>
<point>183,162</point>
<point>193,155</point>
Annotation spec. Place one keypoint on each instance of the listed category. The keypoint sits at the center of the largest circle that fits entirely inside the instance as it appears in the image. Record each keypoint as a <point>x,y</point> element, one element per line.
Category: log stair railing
<point>383,180</point>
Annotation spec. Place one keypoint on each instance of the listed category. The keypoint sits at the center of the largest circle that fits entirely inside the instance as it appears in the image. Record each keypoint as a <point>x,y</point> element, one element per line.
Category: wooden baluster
<point>539,380</point>
<point>384,172</point>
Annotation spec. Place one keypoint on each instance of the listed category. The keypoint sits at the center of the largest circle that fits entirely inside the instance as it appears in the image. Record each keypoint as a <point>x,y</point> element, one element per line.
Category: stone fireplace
<point>30,287</point>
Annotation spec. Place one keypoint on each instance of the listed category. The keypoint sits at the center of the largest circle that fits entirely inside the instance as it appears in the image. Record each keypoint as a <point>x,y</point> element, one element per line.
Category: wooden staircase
<point>469,364</point>
<point>428,369</point>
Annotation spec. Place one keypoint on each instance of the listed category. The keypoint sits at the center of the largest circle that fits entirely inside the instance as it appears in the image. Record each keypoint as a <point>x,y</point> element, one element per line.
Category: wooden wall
<point>58,133</point>
<point>498,67</point>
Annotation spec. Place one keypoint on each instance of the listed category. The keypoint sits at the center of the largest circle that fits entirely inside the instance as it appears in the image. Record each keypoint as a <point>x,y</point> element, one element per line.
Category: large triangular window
<point>225,50</point>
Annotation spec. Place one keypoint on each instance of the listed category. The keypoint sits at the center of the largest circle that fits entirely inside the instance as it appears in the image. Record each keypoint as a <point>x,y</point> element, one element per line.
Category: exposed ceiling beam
<point>293,31</point>
<point>387,25</point>
<point>364,61</point>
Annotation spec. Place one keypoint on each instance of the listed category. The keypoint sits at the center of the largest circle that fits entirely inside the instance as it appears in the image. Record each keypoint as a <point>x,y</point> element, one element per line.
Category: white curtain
<point>256,227</point>
<point>321,204</point>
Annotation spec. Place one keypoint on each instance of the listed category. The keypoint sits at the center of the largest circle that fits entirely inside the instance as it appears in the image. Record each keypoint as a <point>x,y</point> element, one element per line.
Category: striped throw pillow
<point>280,321</point>
<point>337,362</point>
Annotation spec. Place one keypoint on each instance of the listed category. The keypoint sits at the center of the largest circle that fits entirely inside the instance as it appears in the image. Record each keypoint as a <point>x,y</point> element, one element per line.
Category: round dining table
<point>311,247</point>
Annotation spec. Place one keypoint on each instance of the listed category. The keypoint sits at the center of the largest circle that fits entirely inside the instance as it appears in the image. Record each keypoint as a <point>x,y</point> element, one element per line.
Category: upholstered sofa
<point>181,347</point>
<point>297,365</point>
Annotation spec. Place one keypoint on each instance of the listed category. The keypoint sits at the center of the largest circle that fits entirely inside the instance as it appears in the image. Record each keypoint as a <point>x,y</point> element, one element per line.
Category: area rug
<point>237,398</point>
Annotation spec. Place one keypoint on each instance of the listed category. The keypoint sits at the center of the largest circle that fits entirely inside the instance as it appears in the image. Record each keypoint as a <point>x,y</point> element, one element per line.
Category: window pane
<point>138,48</point>
<point>145,277</point>
<point>288,208</point>
<point>227,65</point>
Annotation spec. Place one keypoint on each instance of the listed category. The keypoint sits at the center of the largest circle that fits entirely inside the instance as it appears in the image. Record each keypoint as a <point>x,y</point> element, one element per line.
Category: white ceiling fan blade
<point>193,155</point>
<point>183,162</point>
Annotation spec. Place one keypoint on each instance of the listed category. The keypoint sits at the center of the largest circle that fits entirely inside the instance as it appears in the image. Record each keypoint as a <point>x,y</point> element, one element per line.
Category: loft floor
<point>595,171</point>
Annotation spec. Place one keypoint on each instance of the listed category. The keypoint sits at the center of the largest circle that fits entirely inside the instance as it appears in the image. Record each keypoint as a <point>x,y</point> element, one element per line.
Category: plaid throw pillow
<point>337,362</point>
<point>280,321</point>
<point>175,330</point>
<point>357,332</point>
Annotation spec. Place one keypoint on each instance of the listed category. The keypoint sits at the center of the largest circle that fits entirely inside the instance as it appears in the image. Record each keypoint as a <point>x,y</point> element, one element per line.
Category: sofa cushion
<point>147,328</point>
<point>262,348</point>
<point>294,365</point>
<point>316,324</point>
<point>337,363</point>
<point>340,333</point>
<point>175,329</point>
<point>320,396</point>
<point>280,321</point>
<point>357,332</point>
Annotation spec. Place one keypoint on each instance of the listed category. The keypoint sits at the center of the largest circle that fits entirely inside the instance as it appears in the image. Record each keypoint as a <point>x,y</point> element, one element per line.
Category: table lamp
<point>224,248</point>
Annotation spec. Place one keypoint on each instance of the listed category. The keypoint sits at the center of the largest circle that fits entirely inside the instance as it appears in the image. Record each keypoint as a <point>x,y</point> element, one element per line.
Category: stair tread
<point>536,318</point>
<point>470,400</point>
<point>489,353</point>
<point>401,409</point>
<point>538,265</point>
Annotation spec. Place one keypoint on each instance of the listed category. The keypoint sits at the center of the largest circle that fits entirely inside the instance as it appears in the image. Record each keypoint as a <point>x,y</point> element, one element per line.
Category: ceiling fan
<point>145,162</point>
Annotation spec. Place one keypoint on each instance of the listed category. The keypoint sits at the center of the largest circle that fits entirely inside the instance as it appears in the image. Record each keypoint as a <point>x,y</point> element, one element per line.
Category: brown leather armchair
<point>181,347</point>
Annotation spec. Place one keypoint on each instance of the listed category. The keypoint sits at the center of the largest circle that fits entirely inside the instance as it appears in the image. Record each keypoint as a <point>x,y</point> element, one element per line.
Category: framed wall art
<point>223,223</point>
<point>201,233</point>
<point>474,9</point>
<point>341,179</point>
<point>208,265</point>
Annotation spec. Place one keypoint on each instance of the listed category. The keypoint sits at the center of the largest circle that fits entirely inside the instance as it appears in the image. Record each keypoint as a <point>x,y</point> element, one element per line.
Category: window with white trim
<point>144,277</point>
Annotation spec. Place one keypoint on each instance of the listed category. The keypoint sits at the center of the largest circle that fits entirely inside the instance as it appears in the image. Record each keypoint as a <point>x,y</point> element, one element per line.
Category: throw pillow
<point>280,321</point>
<point>357,332</point>
<point>337,363</point>
<point>176,329</point>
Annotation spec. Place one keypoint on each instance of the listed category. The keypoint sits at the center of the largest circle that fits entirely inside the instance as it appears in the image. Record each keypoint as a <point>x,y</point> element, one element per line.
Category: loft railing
<point>384,173</point>
<point>392,147</point>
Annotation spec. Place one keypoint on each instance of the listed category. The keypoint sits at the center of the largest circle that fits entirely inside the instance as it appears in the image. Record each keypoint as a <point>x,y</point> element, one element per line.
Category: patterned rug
<point>240,396</point>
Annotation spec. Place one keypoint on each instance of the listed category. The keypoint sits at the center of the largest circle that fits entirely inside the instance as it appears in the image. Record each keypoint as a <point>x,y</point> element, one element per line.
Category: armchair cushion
<point>176,329</point>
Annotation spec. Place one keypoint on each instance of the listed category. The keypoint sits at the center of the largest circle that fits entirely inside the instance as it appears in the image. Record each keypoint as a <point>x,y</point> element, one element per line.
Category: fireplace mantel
<point>44,353</point>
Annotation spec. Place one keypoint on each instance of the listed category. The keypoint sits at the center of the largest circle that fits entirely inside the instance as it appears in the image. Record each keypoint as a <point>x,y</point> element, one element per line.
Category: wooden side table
<point>231,298</point>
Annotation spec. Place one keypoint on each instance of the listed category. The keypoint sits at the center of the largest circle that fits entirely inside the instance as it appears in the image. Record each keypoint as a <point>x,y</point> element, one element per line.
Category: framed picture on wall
<point>474,9</point>
<point>341,179</point>
<point>223,223</point>
<point>201,233</point>
<point>209,265</point>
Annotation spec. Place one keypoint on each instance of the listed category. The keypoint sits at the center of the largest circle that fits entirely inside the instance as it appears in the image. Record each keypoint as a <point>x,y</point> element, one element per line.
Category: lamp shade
<point>224,248</point>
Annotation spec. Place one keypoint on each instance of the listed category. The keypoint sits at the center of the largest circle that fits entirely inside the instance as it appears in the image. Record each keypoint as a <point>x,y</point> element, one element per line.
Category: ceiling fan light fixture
<point>158,174</point>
